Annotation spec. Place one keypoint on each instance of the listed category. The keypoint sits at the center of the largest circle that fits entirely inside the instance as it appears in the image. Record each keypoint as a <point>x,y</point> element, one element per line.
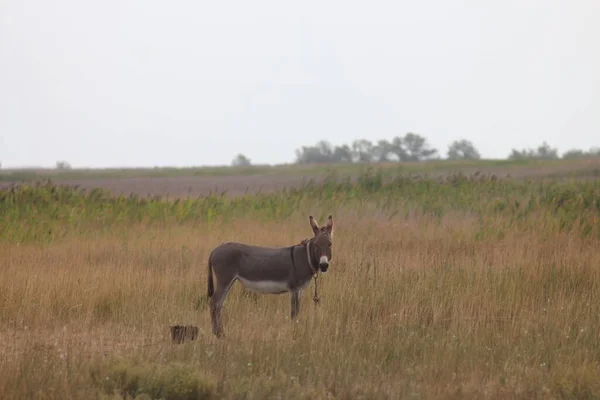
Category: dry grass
<point>411,308</point>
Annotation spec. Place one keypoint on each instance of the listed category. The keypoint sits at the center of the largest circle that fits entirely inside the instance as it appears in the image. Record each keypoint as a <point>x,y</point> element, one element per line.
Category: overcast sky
<point>145,83</point>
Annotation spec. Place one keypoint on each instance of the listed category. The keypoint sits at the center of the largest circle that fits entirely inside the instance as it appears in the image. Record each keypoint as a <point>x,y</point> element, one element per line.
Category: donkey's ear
<point>329,225</point>
<point>313,224</point>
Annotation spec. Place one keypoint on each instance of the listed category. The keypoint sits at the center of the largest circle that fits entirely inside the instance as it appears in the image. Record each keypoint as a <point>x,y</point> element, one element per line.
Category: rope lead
<point>316,296</point>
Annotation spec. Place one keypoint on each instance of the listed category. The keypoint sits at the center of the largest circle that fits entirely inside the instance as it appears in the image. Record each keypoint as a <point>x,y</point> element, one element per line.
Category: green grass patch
<point>169,381</point>
<point>45,211</point>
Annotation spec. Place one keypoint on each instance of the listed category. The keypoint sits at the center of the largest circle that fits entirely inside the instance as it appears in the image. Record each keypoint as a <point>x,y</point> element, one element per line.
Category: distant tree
<point>321,153</point>
<point>517,155</point>
<point>543,152</point>
<point>462,150</point>
<point>362,151</point>
<point>576,153</point>
<point>326,149</point>
<point>308,155</point>
<point>241,161</point>
<point>573,153</point>
<point>383,151</point>
<point>398,149</point>
<point>342,154</point>
<point>63,165</point>
<point>417,148</point>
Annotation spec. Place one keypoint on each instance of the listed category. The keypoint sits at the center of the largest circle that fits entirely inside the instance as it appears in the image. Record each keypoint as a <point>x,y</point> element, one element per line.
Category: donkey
<point>268,270</point>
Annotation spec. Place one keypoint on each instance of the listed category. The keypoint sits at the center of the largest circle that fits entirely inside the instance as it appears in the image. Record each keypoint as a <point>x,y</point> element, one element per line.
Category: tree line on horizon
<point>408,148</point>
<point>411,148</point>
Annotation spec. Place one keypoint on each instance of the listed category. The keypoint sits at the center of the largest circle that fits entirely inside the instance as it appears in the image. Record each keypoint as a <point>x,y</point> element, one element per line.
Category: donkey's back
<point>234,255</point>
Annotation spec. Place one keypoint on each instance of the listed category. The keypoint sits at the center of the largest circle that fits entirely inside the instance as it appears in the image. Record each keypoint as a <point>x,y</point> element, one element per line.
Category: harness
<point>313,270</point>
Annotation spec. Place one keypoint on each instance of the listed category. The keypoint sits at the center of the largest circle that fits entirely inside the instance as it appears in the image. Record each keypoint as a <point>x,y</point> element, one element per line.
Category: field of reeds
<point>457,286</point>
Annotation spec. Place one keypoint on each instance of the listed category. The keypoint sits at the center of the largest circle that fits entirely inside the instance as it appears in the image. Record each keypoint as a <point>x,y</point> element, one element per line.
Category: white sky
<point>144,83</point>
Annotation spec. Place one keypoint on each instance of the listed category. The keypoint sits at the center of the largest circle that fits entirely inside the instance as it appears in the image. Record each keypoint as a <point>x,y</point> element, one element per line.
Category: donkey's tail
<point>211,285</point>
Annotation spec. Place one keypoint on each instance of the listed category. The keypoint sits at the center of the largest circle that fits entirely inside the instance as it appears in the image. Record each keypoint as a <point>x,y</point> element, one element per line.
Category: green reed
<point>41,211</point>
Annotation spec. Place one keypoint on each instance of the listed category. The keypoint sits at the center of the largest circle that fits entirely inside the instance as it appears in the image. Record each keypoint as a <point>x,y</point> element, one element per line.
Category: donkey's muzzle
<point>323,263</point>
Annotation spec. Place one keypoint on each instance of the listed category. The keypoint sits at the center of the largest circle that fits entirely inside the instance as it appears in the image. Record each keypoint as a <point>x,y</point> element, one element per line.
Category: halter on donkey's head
<point>324,249</point>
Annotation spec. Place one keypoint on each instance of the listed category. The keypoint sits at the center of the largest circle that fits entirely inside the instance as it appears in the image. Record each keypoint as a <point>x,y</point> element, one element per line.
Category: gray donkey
<point>268,270</point>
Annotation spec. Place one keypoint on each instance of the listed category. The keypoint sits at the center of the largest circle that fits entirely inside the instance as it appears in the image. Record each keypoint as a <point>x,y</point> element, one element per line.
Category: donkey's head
<point>321,242</point>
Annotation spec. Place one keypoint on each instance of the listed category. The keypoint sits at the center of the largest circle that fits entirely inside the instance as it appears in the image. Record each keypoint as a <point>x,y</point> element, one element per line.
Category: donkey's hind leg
<point>216,307</point>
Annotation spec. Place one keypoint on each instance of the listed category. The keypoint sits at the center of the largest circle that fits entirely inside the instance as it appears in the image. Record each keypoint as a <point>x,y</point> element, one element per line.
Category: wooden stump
<point>181,333</point>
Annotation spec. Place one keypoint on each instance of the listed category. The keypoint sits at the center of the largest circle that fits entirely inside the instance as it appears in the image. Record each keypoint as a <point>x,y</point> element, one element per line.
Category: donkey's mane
<point>304,241</point>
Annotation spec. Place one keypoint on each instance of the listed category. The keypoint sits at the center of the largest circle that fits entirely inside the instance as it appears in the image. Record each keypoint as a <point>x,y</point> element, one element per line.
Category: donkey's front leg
<point>295,300</point>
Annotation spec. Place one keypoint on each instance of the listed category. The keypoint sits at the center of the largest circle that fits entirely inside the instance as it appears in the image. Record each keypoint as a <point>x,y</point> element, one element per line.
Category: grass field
<point>449,286</point>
